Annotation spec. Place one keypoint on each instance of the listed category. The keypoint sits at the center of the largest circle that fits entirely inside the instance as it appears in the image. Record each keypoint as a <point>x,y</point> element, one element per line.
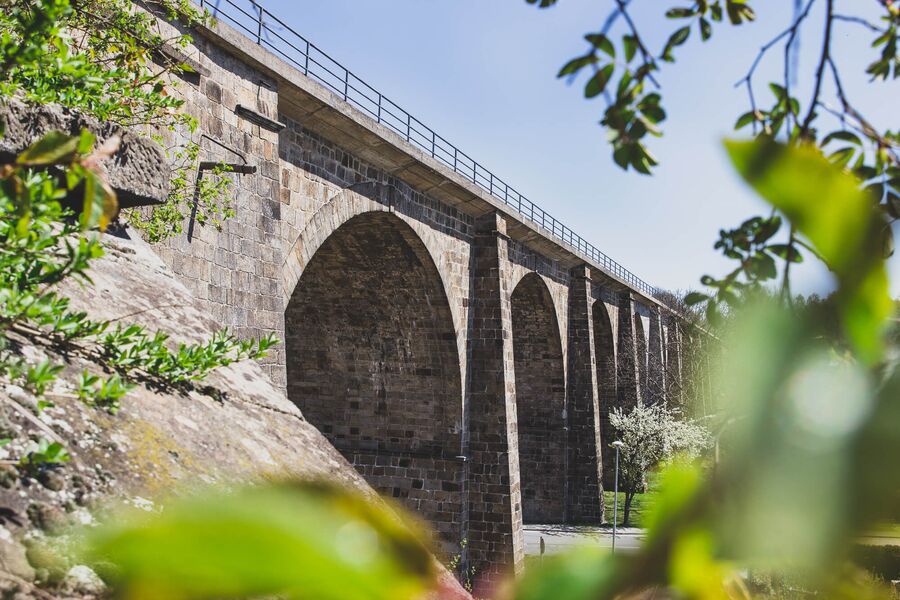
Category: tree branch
<point>645,54</point>
<point>859,21</point>
<point>791,33</point>
<point>820,70</point>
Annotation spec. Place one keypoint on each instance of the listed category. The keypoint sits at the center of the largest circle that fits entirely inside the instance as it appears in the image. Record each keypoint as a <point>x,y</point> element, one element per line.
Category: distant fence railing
<point>272,33</point>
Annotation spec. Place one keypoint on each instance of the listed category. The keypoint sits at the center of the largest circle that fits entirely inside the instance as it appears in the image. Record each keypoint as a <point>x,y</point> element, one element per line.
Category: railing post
<point>259,25</point>
<point>306,62</point>
<point>346,83</point>
<point>379,107</point>
<point>408,125</point>
<point>432,143</point>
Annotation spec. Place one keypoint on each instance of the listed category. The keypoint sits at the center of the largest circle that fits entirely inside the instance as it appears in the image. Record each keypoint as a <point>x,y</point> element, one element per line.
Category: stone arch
<point>540,401</point>
<point>640,349</point>
<point>673,362</point>
<point>372,361</point>
<point>604,352</point>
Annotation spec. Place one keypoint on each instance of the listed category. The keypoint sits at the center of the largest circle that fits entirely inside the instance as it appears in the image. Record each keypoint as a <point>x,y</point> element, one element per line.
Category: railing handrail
<point>318,65</point>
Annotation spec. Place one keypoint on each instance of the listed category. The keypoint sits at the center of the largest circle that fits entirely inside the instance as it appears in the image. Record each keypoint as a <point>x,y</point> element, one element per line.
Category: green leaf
<point>55,147</point>
<point>679,37</point>
<point>738,11</point>
<point>576,64</point>
<point>765,266</point>
<point>676,39</point>
<point>767,229</point>
<point>100,202</point>
<point>778,90</point>
<point>845,136</point>
<point>601,42</point>
<point>597,83</point>
<point>745,119</point>
<point>86,141</point>
<point>695,298</point>
<point>705,29</point>
<point>654,113</point>
<point>679,13</point>
<point>294,539</point>
<point>630,45</point>
<point>842,157</point>
<point>786,252</point>
<point>826,205</point>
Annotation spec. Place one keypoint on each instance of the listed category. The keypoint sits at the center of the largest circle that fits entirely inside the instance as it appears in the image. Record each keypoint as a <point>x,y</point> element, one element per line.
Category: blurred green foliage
<point>810,451</point>
<point>296,540</point>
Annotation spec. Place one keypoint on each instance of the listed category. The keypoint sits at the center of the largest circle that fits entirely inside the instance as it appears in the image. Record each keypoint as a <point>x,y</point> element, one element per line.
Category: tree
<point>652,435</point>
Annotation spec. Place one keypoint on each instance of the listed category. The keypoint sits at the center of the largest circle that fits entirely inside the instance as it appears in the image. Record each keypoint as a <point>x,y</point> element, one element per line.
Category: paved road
<point>558,538</point>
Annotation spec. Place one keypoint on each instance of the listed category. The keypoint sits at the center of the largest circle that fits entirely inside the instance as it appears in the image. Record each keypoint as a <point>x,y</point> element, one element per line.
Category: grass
<point>639,507</point>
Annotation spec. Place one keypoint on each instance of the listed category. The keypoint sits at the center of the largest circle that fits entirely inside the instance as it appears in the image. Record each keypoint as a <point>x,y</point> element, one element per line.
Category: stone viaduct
<point>459,347</point>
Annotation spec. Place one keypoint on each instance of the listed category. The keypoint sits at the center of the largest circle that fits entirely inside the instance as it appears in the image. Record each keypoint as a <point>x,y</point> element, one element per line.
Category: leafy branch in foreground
<point>290,540</point>
<point>635,110</point>
<point>764,251</point>
<point>42,244</point>
<point>111,60</point>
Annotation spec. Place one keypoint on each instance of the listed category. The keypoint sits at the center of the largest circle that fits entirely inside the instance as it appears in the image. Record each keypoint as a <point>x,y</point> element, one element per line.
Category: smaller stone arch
<point>640,349</point>
<point>674,383</point>
<point>540,401</point>
<point>607,395</point>
<point>656,377</point>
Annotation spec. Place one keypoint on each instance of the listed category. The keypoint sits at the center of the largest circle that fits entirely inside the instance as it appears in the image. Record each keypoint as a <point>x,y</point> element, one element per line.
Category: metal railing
<point>275,35</point>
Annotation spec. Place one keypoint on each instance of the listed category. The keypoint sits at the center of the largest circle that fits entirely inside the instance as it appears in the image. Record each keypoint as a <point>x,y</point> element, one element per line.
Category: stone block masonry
<point>462,359</point>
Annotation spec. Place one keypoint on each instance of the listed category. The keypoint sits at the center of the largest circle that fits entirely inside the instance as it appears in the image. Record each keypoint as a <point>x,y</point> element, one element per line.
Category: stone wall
<point>430,486</point>
<point>236,270</point>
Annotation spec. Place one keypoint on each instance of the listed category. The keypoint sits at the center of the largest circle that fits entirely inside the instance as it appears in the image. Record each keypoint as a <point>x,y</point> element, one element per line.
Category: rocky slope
<point>240,428</point>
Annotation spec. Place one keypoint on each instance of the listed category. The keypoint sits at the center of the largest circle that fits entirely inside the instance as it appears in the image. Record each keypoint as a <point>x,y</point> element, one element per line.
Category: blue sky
<point>482,74</point>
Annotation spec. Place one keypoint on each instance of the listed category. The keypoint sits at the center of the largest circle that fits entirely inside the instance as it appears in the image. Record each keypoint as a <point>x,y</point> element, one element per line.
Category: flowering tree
<point>651,435</point>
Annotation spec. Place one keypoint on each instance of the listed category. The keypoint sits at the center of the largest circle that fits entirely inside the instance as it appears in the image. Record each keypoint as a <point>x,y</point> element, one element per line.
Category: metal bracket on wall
<point>243,168</point>
<point>258,118</point>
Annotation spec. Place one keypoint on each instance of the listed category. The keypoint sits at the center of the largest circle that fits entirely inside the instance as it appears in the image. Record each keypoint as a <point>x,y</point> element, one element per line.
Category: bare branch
<point>820,70</point>
<point>791,34</point>
<point>645,54</point>
<point>866,128</point>
<point>859,21</point>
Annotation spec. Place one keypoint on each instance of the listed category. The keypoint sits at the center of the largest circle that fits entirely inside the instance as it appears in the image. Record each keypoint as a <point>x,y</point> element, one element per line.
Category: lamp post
<point>616,444</point>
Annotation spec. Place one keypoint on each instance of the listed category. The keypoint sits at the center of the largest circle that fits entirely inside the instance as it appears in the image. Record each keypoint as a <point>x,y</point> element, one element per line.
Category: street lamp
<point>616,444</point>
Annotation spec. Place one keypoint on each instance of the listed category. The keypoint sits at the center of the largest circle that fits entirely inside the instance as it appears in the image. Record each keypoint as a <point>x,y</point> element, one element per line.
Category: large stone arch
<point>540,401</point>
<point>604,352</point>
<point>372,361</point>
